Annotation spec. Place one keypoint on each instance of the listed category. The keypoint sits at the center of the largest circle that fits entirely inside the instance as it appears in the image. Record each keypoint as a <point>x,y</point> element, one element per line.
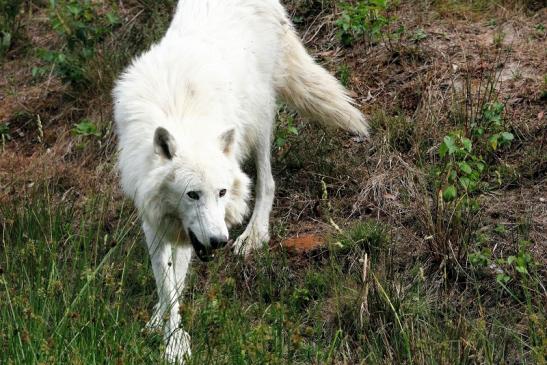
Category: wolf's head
<point>204,190</point>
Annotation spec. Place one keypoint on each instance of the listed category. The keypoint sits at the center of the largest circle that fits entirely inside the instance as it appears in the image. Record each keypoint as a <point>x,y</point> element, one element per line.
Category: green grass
<point>77,288</point>
<point>64,287</point>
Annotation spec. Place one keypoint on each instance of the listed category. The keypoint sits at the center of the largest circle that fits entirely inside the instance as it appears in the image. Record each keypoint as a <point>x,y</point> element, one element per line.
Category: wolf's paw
<point>250,240</point>
<point>178,347</point>
<point>156,321</point>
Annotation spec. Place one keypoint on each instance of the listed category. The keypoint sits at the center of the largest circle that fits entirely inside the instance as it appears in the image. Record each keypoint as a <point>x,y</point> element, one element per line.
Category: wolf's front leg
<point>257,231</point>
<point>164,260</point>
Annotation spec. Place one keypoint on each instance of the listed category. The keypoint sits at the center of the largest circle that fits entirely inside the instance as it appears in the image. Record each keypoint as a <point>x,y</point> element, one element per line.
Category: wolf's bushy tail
<point>313,91</point>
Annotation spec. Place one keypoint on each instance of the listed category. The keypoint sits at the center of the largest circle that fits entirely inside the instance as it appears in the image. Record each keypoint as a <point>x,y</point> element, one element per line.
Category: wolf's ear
<point>164,143</point>
<point>227,140</point>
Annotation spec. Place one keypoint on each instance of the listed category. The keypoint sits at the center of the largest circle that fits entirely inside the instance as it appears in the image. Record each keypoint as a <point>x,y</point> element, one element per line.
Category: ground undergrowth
<point>432,233</point>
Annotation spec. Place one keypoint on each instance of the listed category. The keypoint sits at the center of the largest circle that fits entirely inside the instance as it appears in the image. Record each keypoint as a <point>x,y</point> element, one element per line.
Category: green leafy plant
<point>509,268</point>
<point>284,131</point>
<point>465,168</point>
<point>522,262</point>
<point>362,20</point>
<point>492,123</point>
<point>462,169</point>
<point>466,153</point>
<point>462,151</point>
<point>86,128</point>
<point>457,177</point>
<point>480,258</point>
<point>82,28</point>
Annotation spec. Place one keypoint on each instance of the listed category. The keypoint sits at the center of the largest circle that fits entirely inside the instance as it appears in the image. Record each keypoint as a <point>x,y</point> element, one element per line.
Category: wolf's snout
<point>218,242</point>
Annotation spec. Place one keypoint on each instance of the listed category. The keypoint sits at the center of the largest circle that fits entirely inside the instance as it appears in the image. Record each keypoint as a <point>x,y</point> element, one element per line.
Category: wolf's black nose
<point>218,242</point>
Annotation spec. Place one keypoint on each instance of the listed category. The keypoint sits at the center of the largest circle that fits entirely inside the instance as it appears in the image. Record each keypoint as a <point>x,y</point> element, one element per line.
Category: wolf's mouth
<point>205,254</point>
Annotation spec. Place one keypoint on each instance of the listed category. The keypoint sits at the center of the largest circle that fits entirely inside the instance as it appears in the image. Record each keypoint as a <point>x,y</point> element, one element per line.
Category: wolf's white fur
<point>211,85</point>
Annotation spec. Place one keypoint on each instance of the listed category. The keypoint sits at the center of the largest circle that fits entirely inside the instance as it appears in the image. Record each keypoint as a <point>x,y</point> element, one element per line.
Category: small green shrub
<point>521,263</point>
<point>86,128</point>
<point>465,169</point>
<point>480,113</point>
<point>462,169</point>
<point>82,29</point>
<point>480,258</point>
<point>514,269</point>
<point>365,19</point>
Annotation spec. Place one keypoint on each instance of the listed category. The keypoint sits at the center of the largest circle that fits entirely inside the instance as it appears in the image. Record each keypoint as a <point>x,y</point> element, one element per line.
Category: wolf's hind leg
<point>257,231</point>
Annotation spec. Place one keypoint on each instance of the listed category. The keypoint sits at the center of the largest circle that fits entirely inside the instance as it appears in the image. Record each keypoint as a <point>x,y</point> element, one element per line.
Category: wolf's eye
<point>193,195</point>
<point>222,193</point>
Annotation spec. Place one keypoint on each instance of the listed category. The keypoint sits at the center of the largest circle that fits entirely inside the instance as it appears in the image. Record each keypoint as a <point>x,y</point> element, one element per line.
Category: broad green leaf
<point>86,128</point>
<point>450,144</point>
<point>467,144</point>
<point>443,149</point>
<point>464,166</point>
<point>449,193</point>
<point>465,182</point>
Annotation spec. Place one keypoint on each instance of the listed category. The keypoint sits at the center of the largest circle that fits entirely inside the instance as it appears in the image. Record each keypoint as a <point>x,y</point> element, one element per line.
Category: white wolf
<point>190,110</point>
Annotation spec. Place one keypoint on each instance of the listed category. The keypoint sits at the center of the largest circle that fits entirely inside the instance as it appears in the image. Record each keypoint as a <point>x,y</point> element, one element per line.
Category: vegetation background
<point>425,244</point>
